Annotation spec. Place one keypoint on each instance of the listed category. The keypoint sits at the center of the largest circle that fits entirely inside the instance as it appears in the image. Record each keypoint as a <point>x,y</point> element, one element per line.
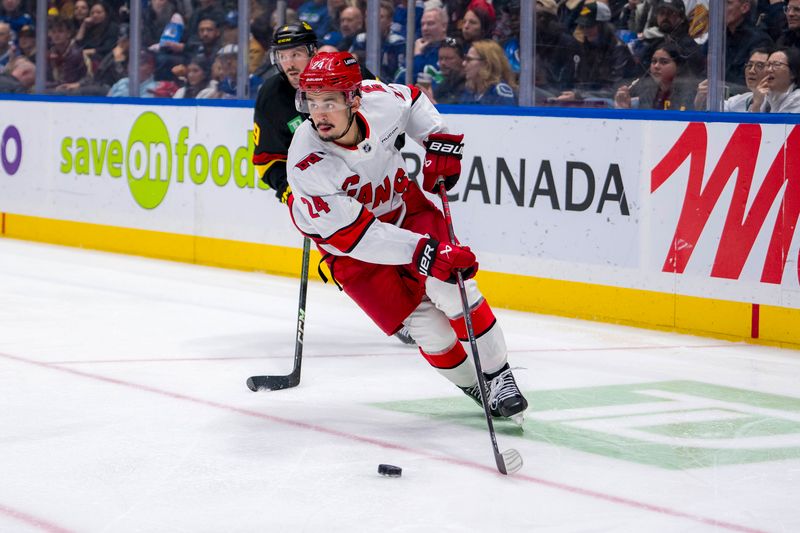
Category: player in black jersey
<point>275,117</point>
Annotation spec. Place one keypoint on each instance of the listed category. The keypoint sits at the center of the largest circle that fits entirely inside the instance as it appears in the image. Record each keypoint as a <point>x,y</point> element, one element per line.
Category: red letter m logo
<point>741,226</point>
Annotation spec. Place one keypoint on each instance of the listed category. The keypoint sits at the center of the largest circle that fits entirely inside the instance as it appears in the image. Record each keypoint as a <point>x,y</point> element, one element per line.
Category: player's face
<point>293,61</point>
<point>330,114</point>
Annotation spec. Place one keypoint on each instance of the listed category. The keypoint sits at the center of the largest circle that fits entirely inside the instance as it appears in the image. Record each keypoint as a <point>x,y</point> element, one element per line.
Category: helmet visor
<point>289,56</point>
<point>322,102</point>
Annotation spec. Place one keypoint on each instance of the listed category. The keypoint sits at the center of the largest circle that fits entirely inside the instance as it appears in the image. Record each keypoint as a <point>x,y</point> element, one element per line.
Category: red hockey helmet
<point>329,71</point>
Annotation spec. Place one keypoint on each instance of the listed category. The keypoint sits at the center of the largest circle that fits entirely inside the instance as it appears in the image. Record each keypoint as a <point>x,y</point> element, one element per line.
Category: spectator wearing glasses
<point>791,35</point>
<point>754,72</point>
<point>777,92</point>
<point>489,78</point>
<point>665,87</point>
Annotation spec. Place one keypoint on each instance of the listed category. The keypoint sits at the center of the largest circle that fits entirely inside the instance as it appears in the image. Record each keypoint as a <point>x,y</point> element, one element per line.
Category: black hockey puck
<point>390,470</point>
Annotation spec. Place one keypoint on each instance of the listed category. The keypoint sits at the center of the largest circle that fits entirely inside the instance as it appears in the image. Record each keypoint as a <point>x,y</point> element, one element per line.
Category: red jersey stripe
<point>415,92</point>
<point>346,238</point>
<point>264,158</point>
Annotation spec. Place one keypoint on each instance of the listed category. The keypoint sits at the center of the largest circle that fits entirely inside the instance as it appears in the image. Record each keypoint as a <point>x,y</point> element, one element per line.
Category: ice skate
<point>405,337</point>
<point>505,398</point>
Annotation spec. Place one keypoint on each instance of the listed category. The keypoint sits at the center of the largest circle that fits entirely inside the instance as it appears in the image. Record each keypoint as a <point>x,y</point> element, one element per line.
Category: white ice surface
<point>123,408</point>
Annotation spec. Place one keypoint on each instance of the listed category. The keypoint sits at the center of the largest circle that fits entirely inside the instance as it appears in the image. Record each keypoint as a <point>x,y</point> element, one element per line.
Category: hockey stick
<point>510,460</point>
<point>256,383</point>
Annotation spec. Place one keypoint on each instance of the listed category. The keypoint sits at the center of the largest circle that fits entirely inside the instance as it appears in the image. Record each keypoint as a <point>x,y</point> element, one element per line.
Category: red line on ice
<point>412,353</point>
<point>391,446</point>
<point>32,520</point>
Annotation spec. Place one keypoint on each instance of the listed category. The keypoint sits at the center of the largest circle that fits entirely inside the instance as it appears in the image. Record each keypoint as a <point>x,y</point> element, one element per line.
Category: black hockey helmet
<point>291,35</point>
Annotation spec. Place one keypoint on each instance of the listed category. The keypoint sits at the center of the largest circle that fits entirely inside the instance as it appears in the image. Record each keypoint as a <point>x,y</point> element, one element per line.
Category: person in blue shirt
<point>315,13</point>
<point>489,78</point>
<point>351,23</point>
<point>11,12</point>
<point>393,47</point>
<point>426,48</point>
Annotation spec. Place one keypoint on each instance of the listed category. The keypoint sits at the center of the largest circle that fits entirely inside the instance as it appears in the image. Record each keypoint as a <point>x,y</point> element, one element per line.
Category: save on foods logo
<point>150,159</point>
<point>674,425</point>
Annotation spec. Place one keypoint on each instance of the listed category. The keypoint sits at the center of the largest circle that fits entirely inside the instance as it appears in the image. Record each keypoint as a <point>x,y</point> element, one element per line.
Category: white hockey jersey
<point>350,199</point>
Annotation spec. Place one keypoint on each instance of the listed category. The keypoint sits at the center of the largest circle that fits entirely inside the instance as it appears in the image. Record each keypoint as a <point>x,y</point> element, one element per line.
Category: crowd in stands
<point>646,54</point>
<point>189,49</point>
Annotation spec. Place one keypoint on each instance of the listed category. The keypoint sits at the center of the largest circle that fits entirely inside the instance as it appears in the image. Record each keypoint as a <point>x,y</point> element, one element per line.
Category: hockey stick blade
<point>258,383</point>
<point>512,461</point>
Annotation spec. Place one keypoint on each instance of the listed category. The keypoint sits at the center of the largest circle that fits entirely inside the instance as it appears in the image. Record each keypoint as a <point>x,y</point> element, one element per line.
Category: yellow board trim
<point>238,255</point>
<point>685,314</point>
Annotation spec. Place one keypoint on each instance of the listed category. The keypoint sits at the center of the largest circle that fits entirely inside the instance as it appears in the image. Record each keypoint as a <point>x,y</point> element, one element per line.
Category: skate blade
<point>518,418</point>
<point>512,460</point>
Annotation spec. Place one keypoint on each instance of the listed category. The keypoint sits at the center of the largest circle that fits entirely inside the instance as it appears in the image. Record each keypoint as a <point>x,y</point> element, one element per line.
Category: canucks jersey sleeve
<point>273,120</point>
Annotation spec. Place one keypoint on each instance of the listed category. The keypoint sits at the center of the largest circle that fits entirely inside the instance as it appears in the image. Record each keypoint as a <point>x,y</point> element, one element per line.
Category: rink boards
<point>674,224</point>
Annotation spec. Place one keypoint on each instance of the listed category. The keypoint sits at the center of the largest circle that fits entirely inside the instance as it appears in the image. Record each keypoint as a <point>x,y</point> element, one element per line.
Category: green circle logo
<point>149,160</point>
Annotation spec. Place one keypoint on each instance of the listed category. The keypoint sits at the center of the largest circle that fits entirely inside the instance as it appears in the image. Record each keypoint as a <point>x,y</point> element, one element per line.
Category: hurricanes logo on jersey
<point>309,160</point>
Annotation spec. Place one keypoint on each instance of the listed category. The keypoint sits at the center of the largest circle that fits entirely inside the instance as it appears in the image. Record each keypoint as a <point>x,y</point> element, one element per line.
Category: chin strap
<point>349,123</point>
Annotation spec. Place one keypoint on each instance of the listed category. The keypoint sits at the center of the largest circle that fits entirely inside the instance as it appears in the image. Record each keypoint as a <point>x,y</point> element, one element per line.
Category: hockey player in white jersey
<point>385,243</point>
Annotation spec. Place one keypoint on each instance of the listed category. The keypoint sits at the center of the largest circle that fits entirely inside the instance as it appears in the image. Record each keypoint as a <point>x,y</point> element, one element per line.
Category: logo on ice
<point>745,216</point>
